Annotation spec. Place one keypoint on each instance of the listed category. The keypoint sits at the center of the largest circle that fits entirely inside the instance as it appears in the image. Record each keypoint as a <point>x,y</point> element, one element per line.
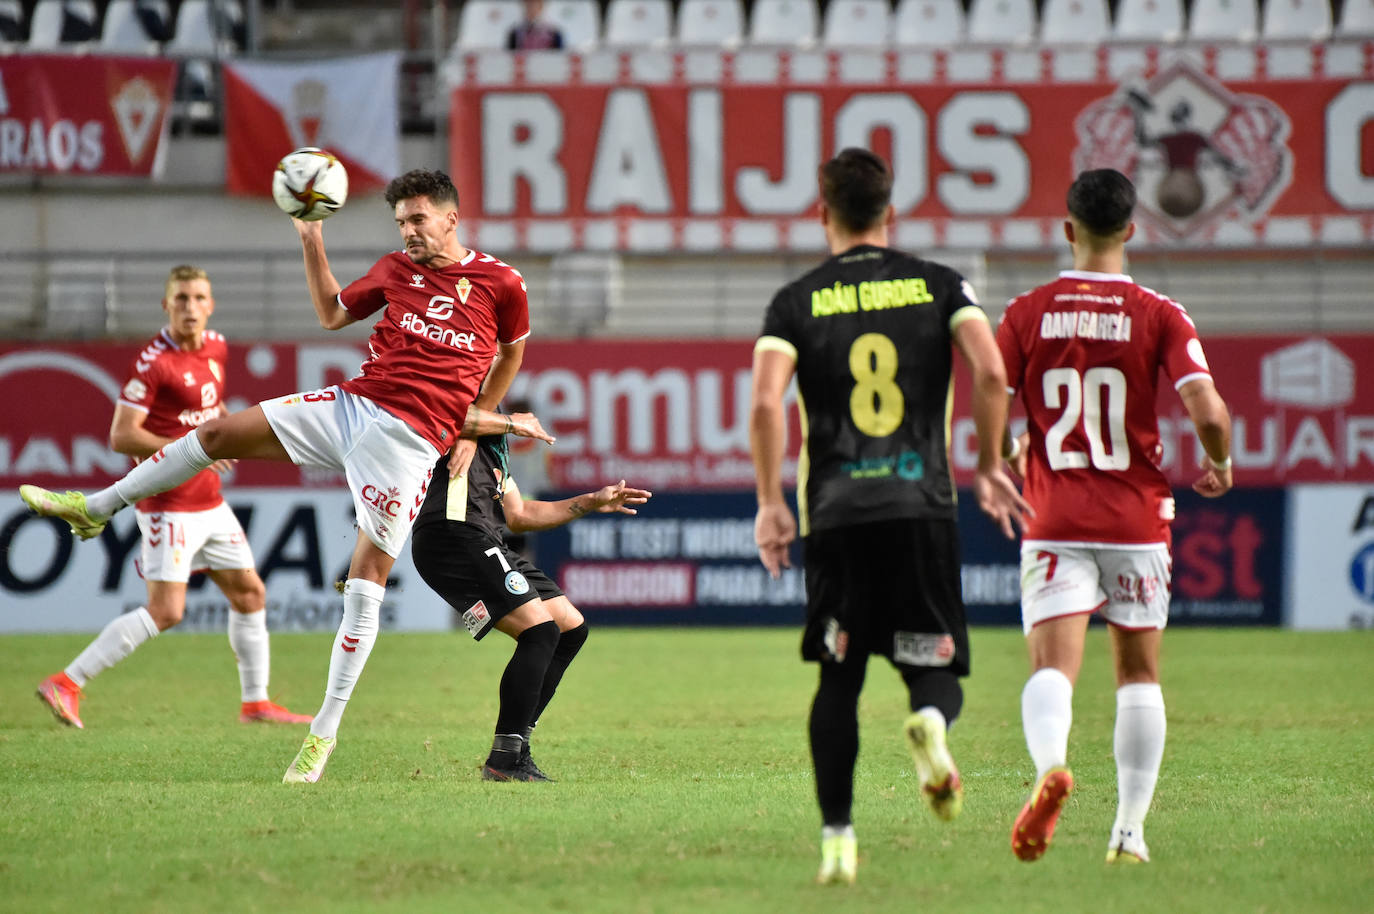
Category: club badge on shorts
<point>516,583</point>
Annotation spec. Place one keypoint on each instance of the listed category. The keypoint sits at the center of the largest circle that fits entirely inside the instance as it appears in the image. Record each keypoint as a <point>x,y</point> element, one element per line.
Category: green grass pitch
<point>684,784</point>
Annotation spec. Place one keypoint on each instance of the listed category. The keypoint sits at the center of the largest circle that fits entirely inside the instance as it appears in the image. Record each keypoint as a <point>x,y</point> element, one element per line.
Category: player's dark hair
<point>421,183</point>
<point>1102,201</point>
<point>856,186</point>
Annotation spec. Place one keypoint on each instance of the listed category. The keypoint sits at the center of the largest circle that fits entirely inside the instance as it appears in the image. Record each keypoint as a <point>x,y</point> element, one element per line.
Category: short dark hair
<point>421,183</point>
<point>1102,200</point>
<point>856,186</point>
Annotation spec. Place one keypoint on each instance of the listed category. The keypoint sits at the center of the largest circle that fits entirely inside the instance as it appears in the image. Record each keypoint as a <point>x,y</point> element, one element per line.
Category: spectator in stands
<point>534,34</point>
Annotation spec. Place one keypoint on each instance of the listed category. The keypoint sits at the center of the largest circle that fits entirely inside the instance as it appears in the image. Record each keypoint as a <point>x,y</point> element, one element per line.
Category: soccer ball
<point>310,184</point>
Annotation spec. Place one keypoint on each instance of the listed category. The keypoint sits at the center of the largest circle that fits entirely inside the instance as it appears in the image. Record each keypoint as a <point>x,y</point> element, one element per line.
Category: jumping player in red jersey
<point>449,318</point>
<point>175,385</point>
<point>1085,353</point>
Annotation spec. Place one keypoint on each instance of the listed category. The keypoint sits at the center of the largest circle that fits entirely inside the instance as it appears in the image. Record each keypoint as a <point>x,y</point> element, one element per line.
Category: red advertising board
<point>84,115</point>
<point>1257,152</point>
<point>674,415</point>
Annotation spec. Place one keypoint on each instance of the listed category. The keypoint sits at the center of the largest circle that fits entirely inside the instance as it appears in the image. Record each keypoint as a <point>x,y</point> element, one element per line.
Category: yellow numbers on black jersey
<point>876,403</point>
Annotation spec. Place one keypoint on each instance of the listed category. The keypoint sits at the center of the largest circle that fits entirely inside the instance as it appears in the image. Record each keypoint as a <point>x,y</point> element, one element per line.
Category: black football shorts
<point>478,575</point>
<point>889,588</point>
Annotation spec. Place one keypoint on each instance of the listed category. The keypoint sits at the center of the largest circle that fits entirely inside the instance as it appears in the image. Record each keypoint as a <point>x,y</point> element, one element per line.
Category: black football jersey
<point>871,330</point>
<point>474,498</point>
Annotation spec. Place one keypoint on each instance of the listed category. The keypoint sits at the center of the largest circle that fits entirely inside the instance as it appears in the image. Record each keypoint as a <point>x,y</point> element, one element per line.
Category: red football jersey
<point>1084,352</point>
<point>437,337</point>
<point>179,390</point>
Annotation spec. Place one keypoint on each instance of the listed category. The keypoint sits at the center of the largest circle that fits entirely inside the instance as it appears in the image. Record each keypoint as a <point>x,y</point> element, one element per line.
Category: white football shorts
<point>386,462</point>
<point>177,544</point>
<point>1128,585</point>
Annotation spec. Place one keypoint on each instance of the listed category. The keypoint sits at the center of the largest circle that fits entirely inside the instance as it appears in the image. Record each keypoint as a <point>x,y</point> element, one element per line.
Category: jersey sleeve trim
<point>523,336</point>
<point>1193,376</point>
<point>776,344</point>
<point>342,304</point>
<point>140,408</point>
<point>966,313</point>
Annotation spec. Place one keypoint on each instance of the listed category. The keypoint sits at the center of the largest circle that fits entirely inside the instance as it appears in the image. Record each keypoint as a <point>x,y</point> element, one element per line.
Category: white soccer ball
<point>310,184</point>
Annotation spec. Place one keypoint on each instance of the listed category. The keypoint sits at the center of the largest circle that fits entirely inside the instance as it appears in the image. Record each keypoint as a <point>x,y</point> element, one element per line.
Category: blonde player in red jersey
<point>450,317</point>
<point>1085,353</point>
<point>177,384</point>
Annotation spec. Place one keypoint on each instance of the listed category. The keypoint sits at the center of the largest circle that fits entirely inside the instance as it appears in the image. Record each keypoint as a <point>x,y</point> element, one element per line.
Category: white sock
<point>248,638</point>
<point>179,461</point>
<point>837,831</point>
<point>357,633</point>
<point>115,642</point>
<point>1139,747</point>
<point>1046,716</point>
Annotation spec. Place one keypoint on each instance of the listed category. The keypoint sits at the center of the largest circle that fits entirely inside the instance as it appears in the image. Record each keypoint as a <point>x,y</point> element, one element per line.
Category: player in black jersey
<point>868,334</point>
<point>458,549</point>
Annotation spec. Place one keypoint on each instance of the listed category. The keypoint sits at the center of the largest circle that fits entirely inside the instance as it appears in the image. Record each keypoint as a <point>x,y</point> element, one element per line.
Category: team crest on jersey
<point>464,289</point>
<point>1199,154</point>
<point>417,280</point>
<point>217,371</point>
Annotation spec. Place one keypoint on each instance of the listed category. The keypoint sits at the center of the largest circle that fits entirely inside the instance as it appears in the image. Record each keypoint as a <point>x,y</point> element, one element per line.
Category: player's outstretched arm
<point>530,516</point>
<point>1213,423</point>
<point>481,422</point>
<point>324,288</point>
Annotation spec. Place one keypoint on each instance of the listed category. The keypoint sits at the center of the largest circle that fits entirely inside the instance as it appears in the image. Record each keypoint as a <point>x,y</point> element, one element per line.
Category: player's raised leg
<point>572,635</point>
<point>935,700</point>
<point>1138,741</point>
<point>536,638</point>
<point>1056,651</point>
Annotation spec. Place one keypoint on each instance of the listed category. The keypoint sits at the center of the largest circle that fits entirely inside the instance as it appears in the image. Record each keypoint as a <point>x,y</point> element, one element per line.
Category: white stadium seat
<point>1149,20</point>
<point>1308,19</point>
<point>1357,19</point>
<point>195,30</point>
<point>1222,20</point>
<point>123,31</point>
<point>638,22</point>
<point>929,23</point>
<point>853,23</point>
<point>487,23</point>
<point>579,21</point>
<point>710,22</point>
<point>783,22</point>
<point>1001,21</point>
<point>11,22</point>
<point>1075,22</point>
<point>62,24</point>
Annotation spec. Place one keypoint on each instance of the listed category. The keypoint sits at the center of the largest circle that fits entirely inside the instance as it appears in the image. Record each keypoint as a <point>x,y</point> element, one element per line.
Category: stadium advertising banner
<point>691,560</point>
<point>1242,146</point>
<point>84,115</point>
<point>668,416</point>
<point>1331,575</point>
<point>347,105</point>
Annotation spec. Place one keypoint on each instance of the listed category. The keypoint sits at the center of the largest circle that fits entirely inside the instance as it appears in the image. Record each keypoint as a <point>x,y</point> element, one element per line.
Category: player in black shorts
<point>457,547</point>
<point>868,334</point>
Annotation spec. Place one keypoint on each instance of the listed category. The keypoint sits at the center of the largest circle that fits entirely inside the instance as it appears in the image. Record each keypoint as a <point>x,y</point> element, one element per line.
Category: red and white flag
<point>346,105</point>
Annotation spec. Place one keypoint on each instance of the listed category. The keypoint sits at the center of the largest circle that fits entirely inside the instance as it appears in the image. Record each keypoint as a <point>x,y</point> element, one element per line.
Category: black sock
<point>569,643</point>
<point>936,688</point>
<point>520,682</point>
<point>835,737</point>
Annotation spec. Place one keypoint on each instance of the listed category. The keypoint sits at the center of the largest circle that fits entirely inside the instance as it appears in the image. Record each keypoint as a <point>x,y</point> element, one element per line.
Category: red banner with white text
<point>673,416</point>
<point>1242,146</point>
<point>84,115</point>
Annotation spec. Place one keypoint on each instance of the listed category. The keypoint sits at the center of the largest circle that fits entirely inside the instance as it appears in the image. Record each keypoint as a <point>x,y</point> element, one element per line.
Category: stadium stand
<point>710,22</point>
<point>1075,22</point>
<point>1149,20</point>
<point>856,23</point>
<point>783,22</point>
<point>639,22</point>
<point>485,23</point>
<point>1221,20</point>
<point>929,23</point>
<point>11,22</point>
<point>156,16</point>
<point>1001,21</point>
<point>63,25</point>
<point>1357,19</point>
<point>123,31</point>
<point>1307,19</point>
<point>578,20</point>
